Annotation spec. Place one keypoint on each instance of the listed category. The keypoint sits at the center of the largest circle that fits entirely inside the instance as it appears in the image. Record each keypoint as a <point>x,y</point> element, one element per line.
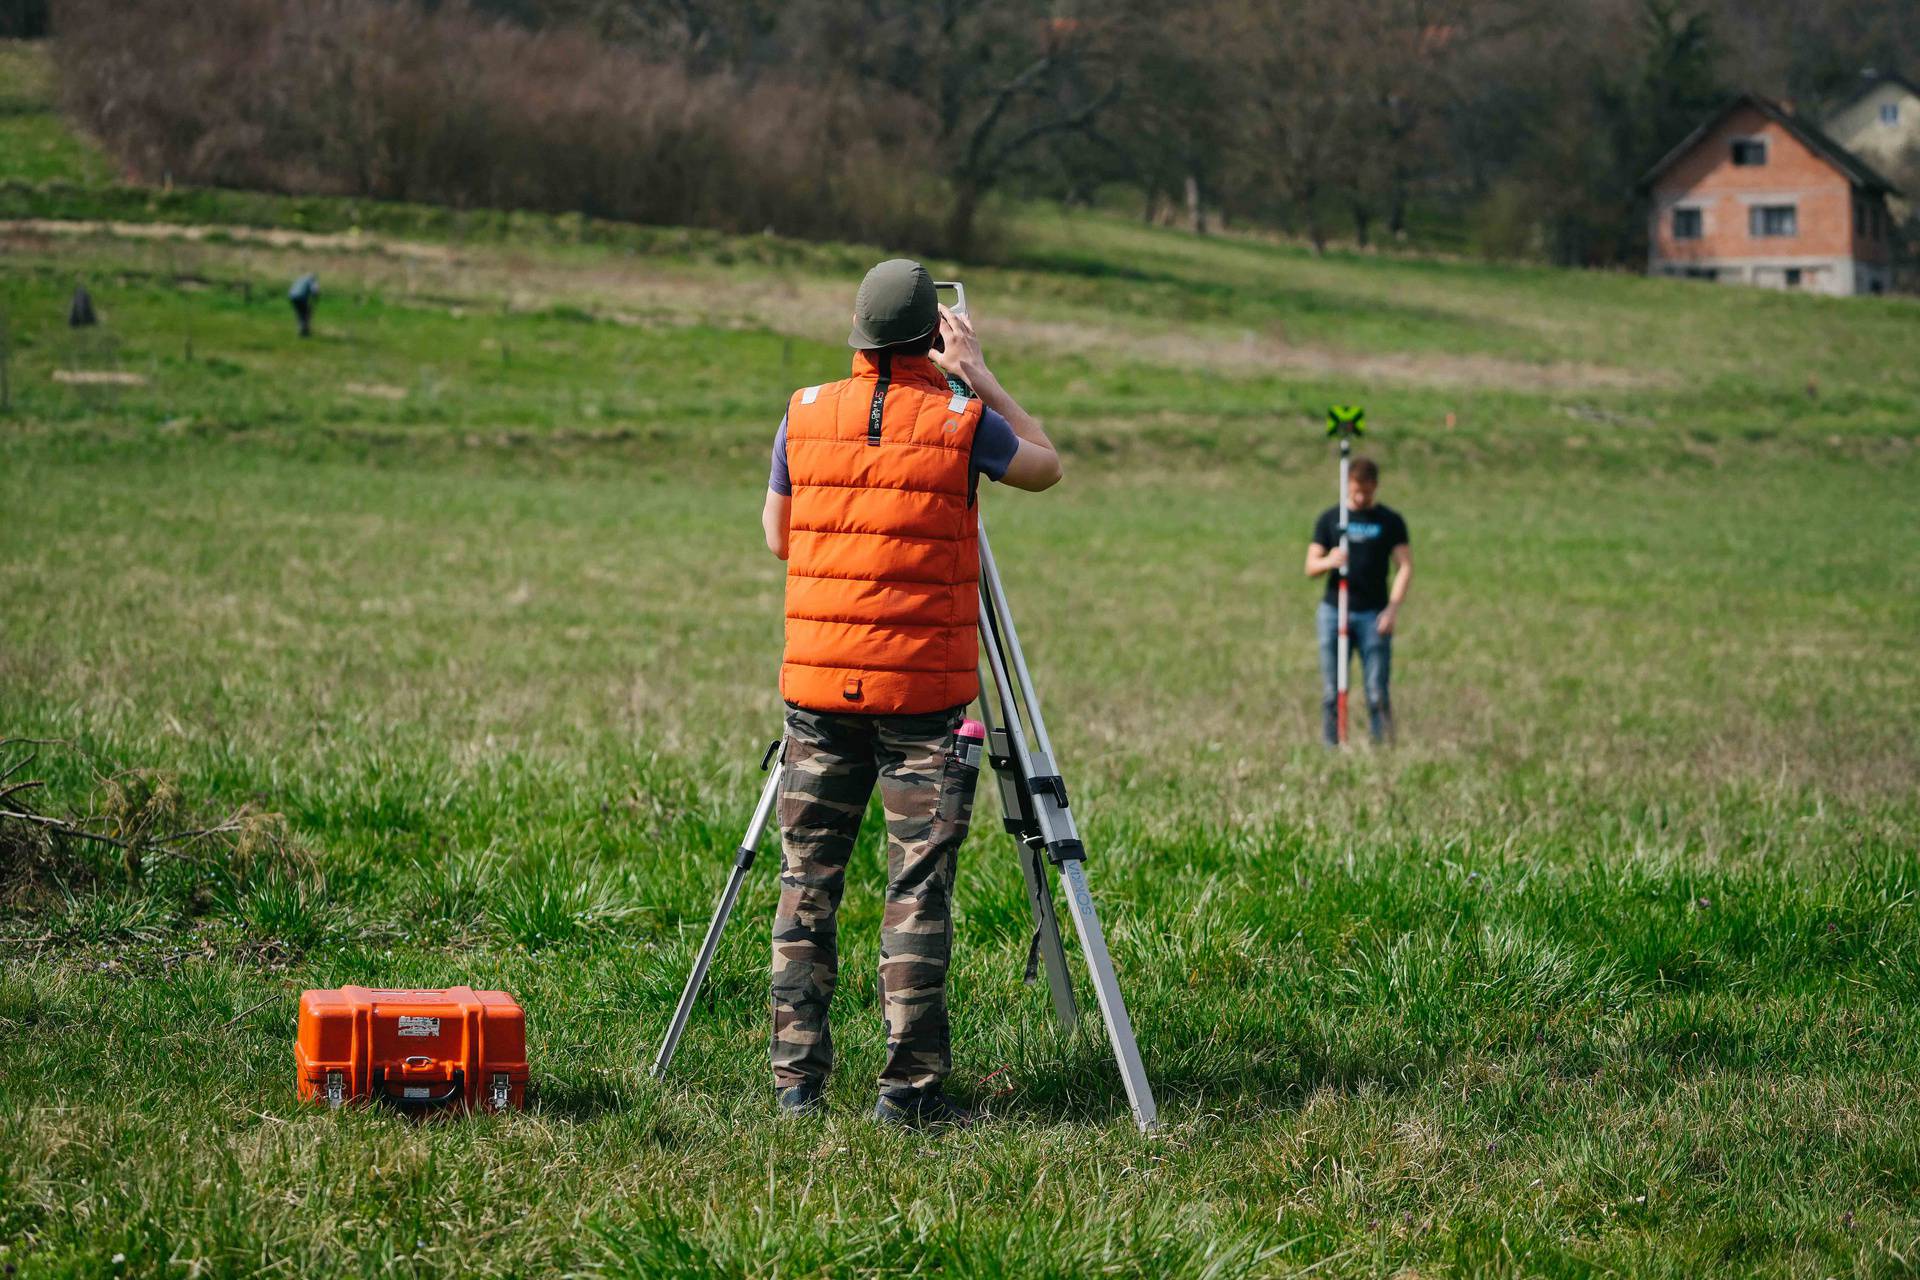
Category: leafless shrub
<point>391,101</point>
<point>134,818</point>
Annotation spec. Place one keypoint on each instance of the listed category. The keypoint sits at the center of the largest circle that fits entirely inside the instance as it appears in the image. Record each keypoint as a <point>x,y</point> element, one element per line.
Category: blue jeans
<point>1376,662</point>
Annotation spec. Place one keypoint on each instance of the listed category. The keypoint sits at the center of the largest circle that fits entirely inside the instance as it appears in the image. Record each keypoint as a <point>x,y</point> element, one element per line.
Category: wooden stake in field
<point>1345,422</point>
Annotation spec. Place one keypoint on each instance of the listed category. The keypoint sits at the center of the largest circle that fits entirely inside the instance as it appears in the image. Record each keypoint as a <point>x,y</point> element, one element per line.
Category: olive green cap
<point>896,303</point>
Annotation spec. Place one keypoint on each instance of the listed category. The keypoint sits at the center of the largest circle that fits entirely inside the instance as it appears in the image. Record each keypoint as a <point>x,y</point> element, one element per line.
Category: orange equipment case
<point>418,1050</point>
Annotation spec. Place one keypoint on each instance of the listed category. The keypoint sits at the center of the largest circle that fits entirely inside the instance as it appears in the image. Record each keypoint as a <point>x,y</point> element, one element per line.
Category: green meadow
<point>456,622</point>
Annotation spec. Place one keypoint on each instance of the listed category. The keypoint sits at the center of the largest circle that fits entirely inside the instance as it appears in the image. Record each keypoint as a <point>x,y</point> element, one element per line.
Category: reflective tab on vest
<point>958,404</point>
<point>852,692</point>
<point>809,395</point>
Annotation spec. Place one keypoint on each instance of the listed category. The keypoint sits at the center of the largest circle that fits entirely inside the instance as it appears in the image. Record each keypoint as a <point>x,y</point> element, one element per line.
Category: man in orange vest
<point>871,504</point>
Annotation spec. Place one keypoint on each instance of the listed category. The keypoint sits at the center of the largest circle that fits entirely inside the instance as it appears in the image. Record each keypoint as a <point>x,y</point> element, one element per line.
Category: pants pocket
<point>959,777</point>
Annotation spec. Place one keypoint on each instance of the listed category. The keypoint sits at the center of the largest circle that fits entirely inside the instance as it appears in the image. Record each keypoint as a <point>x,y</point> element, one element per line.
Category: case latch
<point>497,1089</point>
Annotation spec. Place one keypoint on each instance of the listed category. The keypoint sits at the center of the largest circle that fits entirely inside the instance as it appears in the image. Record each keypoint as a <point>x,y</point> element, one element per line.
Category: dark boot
<point>921,1111</point>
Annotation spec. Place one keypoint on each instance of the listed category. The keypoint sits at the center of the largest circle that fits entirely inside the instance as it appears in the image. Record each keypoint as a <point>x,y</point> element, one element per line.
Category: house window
<point>1793,277</point>
<point>1860,218</point>
<point>1749,151</point>
<point>1889,113</point>
<point>1686,224</point>
<point>1771,220</point>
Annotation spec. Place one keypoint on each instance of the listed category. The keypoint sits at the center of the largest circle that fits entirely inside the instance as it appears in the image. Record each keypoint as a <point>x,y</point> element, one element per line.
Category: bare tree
<point>996,77</point>
<point>1293,78</point>
<point>1174,116</point>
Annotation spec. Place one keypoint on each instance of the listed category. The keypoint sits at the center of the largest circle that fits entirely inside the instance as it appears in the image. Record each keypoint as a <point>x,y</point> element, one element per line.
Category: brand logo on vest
<point>953,425</point>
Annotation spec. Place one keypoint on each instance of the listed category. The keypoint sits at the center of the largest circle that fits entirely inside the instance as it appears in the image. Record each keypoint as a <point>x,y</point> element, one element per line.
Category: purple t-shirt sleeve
<point>779,481</point>
<point>994,444</point>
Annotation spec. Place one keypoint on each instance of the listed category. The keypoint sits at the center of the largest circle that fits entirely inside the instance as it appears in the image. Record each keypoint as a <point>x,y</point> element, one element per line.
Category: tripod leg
<point>1014,808</point>
<point>1046,925</point>
<point>742,862</point>
<point>1106,989</point>
<point>1055,825</point>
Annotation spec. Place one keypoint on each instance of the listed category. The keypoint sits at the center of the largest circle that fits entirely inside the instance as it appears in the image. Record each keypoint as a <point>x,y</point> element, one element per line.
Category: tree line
<point>1517,128</point>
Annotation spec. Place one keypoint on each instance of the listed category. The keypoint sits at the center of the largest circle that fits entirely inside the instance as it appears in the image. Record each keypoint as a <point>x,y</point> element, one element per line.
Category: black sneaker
<point>802,1099</point>
<point>921,1111</point>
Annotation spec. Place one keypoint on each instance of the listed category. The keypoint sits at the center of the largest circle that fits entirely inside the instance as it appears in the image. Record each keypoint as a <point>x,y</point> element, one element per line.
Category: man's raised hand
<point>960,355</point>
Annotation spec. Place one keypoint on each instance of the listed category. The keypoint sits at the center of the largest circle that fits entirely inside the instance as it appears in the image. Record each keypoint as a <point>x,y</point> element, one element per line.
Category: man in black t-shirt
<point>1375,535</point>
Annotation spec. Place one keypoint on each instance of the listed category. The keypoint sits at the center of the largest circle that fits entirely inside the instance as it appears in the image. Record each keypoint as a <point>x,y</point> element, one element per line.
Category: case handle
<point>456,1088</point>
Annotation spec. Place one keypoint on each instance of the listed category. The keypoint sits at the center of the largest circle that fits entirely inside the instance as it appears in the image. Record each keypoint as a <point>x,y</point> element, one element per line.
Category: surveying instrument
<point>1037,814</point>
<point>1344,421</point>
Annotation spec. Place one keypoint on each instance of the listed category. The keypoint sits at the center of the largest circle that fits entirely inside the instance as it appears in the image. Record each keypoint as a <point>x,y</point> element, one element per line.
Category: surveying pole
<point>742,863</point>
<point>1344,421</point>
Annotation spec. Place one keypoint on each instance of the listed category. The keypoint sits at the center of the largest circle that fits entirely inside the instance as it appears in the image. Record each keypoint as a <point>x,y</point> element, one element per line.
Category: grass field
<point>1611,967</point>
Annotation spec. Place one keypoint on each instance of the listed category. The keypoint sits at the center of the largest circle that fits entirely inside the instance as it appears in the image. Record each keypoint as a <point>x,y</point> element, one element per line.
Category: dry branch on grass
<point>137,812</point>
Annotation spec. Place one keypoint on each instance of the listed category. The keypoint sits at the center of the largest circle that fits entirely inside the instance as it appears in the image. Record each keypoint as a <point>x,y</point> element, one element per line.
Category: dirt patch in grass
<point>98,378</point>
<point>275,237</point>
<point>377,390</point>
<point>643,294</point>
<point>1249,354</point>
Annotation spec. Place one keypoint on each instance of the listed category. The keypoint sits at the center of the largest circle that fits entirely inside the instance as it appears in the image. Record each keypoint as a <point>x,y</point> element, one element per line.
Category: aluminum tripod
<point>742,863</point>
<point>1033,799</point>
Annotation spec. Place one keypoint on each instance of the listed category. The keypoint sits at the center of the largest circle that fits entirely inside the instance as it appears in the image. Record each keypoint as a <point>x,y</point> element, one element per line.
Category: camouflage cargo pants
<point>926,790</point>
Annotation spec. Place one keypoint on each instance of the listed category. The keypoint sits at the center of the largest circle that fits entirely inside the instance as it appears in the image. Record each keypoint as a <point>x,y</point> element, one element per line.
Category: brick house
<point>1757,195</point>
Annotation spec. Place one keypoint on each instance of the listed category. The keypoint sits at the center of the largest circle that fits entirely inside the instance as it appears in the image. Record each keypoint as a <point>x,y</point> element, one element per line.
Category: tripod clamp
<point>1054,785</point>
<point>1061,851</point>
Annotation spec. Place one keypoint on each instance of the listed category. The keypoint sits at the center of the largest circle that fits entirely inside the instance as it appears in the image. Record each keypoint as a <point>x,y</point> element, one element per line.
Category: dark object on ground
<point>80,313</point>
<point>304,295</point>
<point>921,1111</point>
<point>802,1100</point>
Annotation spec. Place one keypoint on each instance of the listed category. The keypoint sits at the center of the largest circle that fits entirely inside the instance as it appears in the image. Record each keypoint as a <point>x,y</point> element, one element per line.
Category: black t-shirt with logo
<point>1371,537</point>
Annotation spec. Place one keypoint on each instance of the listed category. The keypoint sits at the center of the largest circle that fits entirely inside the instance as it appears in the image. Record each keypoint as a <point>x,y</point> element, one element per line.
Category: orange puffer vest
<point>883,555</point>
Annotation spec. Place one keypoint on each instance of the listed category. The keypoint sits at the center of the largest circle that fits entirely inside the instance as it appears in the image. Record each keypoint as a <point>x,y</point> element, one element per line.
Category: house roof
<point>1856,170</point>
<point>1871,80</point>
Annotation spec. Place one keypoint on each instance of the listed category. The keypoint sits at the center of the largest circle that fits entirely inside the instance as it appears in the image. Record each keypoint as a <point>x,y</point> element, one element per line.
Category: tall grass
<point>390,101</point>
